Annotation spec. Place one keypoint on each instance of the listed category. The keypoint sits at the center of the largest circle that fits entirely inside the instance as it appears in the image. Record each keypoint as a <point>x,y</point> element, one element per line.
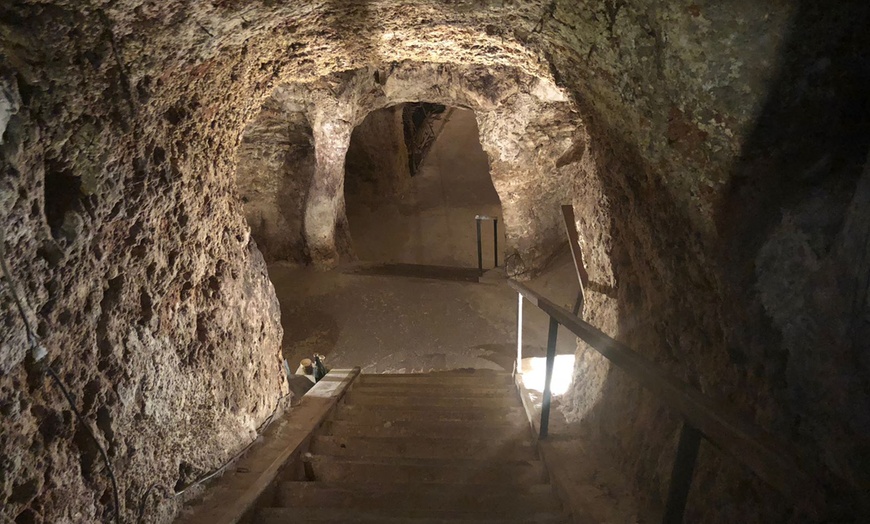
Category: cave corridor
<point>198,195</point>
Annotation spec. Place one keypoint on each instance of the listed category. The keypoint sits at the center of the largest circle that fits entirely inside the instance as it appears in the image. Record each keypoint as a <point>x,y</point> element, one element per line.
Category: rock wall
<point>714,159</point>
<point>738,127</point>
<point>274,168</point>
<point>125,235</point>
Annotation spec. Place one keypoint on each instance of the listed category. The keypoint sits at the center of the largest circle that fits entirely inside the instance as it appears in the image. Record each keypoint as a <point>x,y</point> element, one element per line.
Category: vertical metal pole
<point>479,249</point>
<point>495,242</point>
<point>551,361</point>
<point>578,304</point>
<point>519,333</point>
<point>681,476</point>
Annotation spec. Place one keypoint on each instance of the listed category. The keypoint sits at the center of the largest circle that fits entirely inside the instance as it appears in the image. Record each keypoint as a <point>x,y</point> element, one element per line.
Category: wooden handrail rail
<point>746,442</point>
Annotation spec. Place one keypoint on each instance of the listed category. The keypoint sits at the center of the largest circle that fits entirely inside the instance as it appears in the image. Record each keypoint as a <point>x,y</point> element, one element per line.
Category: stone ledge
<point>237,491</point>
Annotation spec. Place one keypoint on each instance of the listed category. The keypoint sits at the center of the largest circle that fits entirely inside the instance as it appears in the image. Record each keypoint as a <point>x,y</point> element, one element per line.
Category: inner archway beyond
<point>416,177</point>
<point>532,135</point>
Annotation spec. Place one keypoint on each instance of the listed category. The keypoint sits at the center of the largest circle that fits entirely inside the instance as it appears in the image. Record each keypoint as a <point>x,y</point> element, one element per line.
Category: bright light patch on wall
<point>535,374</point>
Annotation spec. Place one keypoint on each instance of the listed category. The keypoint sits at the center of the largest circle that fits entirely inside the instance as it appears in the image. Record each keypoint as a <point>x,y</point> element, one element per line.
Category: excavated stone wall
<point>714,160</point>
<point>377,166</point>
<point>275,166</point>
<point>747,125</point>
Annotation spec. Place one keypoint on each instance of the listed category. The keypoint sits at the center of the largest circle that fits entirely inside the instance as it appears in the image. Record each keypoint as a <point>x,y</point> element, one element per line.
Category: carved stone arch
<point>526,125</point>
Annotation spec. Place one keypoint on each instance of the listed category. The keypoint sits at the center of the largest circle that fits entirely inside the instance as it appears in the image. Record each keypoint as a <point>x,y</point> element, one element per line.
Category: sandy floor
<point>392,324</point>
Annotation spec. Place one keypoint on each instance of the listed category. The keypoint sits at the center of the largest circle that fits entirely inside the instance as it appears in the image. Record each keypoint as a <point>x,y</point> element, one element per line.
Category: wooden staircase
<point>452,447</point>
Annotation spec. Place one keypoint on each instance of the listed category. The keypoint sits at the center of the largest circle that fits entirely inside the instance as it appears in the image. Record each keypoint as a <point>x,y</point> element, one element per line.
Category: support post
<point>495,242</point>
<point>519,333</point>
<point>578,304</point>
<point>551,361</point>
<point>577,255</point>
<point>479,248</point>
<point>681,476</point>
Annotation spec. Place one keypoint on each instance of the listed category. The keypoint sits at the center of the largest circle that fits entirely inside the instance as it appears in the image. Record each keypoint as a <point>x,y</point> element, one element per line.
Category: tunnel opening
<point>422,123</point>
<point>416,176</point>
<point>718,193</point>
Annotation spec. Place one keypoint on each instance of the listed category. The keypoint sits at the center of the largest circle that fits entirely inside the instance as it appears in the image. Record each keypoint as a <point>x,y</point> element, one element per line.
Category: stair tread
<point>295,515</point>
<point>439,410</point>
<point>452,424</point>
<point>330,468</point>
<point>437,390</point>
<point>380,416</point>
<point>440,429</point>
<point>444,409</point>
<point>459,462</point>
<point>467,372</point>
<point>402,487</point>
<point>420,500</point>
<point>418,401</point>
<point>422,446</point>
<point>445,378</point>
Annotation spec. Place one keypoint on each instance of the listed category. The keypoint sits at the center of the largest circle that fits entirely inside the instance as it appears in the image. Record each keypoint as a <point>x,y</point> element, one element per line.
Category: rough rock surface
<point>275,166</point>
<point>377,158</point>
<point>716,194</point>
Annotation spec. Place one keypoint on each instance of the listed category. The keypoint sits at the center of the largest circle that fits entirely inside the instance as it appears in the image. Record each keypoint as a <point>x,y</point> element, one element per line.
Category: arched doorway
<point>416,177</point>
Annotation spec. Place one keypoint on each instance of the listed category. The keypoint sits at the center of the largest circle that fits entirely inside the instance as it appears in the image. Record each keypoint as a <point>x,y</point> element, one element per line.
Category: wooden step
<point>514,415</point>
<point>438,390</point>
<point>423,447</point>
<point>443,500</point>
<point>367,398</point>
<point>352,516</point>
<point>437,429</point>
<point>327,468</point>
<point>472,378</point>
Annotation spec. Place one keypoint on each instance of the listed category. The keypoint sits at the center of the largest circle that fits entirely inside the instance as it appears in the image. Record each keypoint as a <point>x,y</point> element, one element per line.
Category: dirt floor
<point>393,324</point>
<point>400,325</point>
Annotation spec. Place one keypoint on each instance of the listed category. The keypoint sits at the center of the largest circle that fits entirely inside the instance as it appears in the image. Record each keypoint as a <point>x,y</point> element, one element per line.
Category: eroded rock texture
<point>377,165</point>
<point>712,151</point>
<point>275,167</point>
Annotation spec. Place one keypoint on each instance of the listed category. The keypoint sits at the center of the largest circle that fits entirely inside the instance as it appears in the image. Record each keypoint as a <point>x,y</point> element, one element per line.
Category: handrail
<point>749,444</point>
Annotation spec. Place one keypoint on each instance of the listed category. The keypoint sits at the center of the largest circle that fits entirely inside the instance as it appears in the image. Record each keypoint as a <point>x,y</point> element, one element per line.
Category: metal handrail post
<point>478,219</point>
<point>551,361</point>
<point>519,333</point>
<point>495,242</point>
<point>577,256</point>
<point>681,475</point>
<point>479,247</point>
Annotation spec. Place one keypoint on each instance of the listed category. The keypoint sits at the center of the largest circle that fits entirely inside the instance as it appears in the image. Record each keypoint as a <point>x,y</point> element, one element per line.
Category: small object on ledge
<point>320,370</point>
<point>306,369</point>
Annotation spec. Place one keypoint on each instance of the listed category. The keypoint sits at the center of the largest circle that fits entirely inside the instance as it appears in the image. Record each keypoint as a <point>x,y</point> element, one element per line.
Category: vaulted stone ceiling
<point>712,152</point>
